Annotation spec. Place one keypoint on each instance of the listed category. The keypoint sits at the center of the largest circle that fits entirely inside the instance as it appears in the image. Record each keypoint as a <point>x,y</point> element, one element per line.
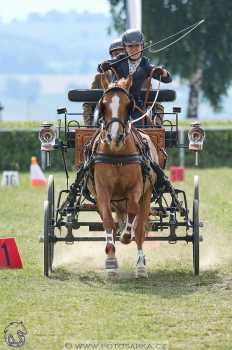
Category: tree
<point>118,12</point>
<point>204,57</point>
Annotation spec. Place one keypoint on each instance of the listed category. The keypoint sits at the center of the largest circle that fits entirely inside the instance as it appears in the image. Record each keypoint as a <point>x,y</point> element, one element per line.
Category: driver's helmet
<point>132,37</point>
<point>116,45</point>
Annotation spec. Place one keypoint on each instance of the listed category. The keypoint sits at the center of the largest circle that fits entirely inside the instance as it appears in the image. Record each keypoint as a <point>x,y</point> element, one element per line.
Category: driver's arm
<point>106,65</point>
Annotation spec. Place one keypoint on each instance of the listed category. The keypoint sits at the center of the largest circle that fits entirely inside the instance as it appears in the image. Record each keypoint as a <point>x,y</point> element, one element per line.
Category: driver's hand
<point>104,66</point>
<point>161,72</point>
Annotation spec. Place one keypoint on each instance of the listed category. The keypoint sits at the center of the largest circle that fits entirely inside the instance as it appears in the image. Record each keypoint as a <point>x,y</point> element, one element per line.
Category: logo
<point>14,334</point>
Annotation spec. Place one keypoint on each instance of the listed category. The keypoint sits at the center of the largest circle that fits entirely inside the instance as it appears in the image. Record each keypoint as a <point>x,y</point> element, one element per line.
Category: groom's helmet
<point>116,45</point>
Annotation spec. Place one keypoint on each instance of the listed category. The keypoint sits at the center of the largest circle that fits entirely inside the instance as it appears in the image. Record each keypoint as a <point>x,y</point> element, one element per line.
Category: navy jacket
<point>139,76</point>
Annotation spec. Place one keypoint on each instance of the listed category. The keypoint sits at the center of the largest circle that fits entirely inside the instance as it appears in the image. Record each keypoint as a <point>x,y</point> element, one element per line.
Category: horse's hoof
<point>112,273</point>
<point>111,263</point>
<point>125,238</point>
<point>141,272</point>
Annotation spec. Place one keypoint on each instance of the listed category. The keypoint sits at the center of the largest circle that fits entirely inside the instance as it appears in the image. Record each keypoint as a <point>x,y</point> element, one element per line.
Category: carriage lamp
<point>47,137</point>
<point>196,137</point>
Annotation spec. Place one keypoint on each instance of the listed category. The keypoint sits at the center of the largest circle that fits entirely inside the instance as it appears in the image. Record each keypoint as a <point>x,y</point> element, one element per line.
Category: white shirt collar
<point>133,65</point>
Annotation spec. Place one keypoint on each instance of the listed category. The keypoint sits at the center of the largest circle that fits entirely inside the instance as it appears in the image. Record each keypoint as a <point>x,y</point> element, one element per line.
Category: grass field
<point>79,304</point>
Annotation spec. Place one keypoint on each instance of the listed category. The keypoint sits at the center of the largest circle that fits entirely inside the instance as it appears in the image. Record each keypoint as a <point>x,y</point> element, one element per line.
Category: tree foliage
<point>208,48</point>
<point>118,12</point>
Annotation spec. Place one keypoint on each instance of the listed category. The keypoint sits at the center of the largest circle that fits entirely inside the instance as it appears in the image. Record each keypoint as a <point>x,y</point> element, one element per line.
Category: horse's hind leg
<point>103,201</point>
<point>132,210</point>
<point>140,227</point>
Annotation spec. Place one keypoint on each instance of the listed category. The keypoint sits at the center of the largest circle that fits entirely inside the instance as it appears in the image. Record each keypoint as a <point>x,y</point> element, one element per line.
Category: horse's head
<point>115,109</point>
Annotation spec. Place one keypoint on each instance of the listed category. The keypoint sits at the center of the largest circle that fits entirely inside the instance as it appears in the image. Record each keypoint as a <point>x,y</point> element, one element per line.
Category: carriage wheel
<point>51,198</point>
<point>47,248</point>
<point>196,239</point>
<point>196,187</point>
<point>51,205</point>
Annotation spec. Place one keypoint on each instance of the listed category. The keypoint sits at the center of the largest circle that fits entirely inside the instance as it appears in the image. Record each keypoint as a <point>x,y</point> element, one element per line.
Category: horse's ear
<point>129,81</point>
<point>104,81</point>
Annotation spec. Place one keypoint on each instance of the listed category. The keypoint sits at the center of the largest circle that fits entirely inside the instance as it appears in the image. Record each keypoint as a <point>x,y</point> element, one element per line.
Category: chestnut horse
<point>118,178</point>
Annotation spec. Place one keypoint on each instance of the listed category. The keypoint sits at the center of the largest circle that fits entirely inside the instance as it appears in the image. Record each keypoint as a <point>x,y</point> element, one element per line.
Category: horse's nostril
<point>109,137</point>
<point>119,138</point>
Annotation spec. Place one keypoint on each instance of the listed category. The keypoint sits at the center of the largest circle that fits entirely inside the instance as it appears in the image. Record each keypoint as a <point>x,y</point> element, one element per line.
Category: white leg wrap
<point>141,270</point>
<point>129,228</point>
<point>141,258</point>
<point>109,237</point>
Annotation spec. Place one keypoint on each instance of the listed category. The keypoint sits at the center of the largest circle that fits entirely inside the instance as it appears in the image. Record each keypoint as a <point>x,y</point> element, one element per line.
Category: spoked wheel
<point>51,205</point>
<point>47,245</point>
<point>51,196</point>
<point>196,237</point>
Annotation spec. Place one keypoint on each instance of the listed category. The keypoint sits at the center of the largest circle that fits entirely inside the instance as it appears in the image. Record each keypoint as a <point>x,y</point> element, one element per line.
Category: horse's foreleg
<point>104,206</point>
<point>140,227</point>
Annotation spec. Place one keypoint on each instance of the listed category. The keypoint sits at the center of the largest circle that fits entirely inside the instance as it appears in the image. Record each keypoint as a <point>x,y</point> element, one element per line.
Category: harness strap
<point>117,160</point>
<point>139,141</point>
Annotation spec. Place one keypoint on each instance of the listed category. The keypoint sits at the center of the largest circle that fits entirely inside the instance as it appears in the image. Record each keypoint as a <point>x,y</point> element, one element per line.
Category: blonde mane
<point>124,83</point>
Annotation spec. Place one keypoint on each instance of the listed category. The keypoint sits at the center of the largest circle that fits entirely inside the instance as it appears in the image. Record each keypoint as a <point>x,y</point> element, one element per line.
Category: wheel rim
<point>51,196</point>
<point>51,205</point>
<point>196,237</point>
<point>46,240</point>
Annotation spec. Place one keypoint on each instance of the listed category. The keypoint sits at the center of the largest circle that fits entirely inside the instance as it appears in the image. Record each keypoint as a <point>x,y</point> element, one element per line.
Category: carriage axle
<point>187,238</point>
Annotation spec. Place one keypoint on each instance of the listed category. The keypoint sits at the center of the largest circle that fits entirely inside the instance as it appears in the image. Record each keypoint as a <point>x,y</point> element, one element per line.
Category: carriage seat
<point>94,95</point>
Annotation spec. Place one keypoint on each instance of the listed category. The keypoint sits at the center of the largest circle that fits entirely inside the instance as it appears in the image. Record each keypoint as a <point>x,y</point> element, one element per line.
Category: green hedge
<point>17,148</point>
<point>217,151</point>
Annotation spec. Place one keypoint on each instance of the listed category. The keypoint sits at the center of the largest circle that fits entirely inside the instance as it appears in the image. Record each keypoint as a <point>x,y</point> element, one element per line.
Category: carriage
<point>170,218</point>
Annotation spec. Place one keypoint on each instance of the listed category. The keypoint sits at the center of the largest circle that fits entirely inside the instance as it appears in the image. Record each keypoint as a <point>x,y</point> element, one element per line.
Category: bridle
<point>125,125</point>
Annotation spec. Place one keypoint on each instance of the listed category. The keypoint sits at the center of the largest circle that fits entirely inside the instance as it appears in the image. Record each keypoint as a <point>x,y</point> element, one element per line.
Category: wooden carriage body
<point>83,135</point>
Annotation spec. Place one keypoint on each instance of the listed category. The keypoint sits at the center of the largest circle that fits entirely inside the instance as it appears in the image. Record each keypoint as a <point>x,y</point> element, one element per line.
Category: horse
<point>119,181</point>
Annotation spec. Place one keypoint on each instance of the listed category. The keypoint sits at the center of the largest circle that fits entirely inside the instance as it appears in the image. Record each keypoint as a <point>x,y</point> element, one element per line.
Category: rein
<point>149,109</point>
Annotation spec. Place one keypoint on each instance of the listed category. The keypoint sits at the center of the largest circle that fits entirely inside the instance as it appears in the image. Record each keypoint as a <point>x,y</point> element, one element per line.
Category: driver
<point>141,69</point>
<point>137,65</point>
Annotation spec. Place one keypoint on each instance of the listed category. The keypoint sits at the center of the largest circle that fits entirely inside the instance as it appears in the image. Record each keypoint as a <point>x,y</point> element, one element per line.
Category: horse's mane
<point>122,83</point>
